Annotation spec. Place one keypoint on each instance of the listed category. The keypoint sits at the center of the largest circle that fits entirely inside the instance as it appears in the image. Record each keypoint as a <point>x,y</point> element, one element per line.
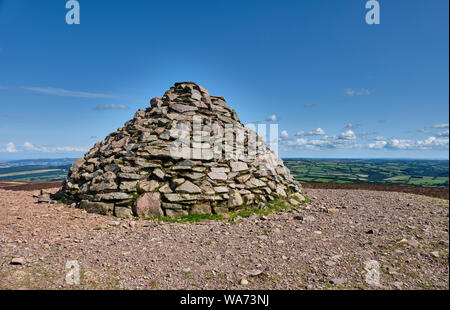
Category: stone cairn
<point>186,154</point>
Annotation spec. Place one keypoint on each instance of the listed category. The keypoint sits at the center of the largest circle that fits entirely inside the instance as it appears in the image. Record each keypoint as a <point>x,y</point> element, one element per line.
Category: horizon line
<point>283,158</point>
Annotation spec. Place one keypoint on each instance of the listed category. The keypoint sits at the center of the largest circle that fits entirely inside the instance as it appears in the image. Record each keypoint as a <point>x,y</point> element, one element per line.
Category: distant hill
<point>35,169</point>
<point>37,162</point>
<point>425,173</point>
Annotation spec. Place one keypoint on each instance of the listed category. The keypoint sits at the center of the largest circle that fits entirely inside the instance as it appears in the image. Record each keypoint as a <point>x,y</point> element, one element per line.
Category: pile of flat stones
<point>188,153</point>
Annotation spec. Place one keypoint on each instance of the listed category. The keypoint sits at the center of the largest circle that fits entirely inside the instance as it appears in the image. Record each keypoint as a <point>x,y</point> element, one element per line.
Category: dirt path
<point>323,245</point>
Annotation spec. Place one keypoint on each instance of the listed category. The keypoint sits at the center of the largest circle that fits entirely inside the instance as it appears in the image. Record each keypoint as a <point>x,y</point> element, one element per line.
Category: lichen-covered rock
<point>188,153</point>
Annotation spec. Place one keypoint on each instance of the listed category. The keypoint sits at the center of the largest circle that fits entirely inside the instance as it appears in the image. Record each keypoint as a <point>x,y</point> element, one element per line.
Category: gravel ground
<point>325,244</point>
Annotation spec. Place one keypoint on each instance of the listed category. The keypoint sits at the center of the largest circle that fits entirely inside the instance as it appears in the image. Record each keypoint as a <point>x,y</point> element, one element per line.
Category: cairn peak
<point>188,153</point>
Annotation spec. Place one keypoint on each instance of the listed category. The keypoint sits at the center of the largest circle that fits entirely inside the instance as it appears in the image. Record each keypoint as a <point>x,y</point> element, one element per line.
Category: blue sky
<point>336,86</point>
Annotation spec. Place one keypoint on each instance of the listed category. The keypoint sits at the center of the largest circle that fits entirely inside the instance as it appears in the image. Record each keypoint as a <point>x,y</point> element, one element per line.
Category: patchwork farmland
<point>426,173</point>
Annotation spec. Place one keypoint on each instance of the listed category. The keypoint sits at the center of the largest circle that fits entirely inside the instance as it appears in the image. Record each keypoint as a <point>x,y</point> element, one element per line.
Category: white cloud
<point>317,132</point>
<point>284,134</point>
<point>11,148</point>
<point>441,126</point>
<point>358,92</point>
<point>377,145</point>
<point>30,146</point>
<point>351,126</point>
<point>342,141</point>
<point>401,144</point>
<point>433,143</point>
<point>348,135</point>
<point>408,144</point>
<point>272,118</point>
<point>68,93</point>
<point>111,107</point>
<point>444,134</point>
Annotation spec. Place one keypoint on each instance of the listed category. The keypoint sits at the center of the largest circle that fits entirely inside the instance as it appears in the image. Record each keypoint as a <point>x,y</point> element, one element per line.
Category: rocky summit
<point>188,153</point>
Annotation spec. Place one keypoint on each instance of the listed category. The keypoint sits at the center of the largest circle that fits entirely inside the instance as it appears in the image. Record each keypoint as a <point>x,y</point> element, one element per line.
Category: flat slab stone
<point>182,108</point>
<point>238,166</point>
<point>97,207</point>
<point>218,175</point>
<point>188,187</point>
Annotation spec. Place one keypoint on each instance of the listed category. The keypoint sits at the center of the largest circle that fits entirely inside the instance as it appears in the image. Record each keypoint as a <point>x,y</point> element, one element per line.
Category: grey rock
<point>97,207</point>
<point>113,196</point>
<point>176,213</point>
<point>188,187</point>
<point>128,186</point>
<point>123,212</point>
<point>201,208</point>
<point>181,108</point>
<point>218,175</point>
<point>235,199</point>
<point>148,185</point>
<point>158,173</point>
<point>238,166</point>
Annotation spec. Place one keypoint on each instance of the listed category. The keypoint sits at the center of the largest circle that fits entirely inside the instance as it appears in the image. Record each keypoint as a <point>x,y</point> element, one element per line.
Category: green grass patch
<point>271,207</point>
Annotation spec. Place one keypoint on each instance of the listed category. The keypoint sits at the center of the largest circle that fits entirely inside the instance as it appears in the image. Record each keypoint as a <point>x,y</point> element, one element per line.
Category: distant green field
<point>35,170</point>
<point>426,173</point>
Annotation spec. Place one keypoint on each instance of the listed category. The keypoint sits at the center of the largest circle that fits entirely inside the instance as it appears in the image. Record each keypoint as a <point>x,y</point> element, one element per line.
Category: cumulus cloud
<point>11,148</point>
<point>348,135</point>
<point>68,93</point>
<point>29,146</point>
<point>401,144</point>
<point>272,118</point>
<point>284,135</point>
<point>317,132</point>
<point>408,144</point>
<point>349,140</point>
<point>111,107</point>
<point>377,145</point>
<point>344,140</point>
<point>433,143</point>
<point>351,92</point>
